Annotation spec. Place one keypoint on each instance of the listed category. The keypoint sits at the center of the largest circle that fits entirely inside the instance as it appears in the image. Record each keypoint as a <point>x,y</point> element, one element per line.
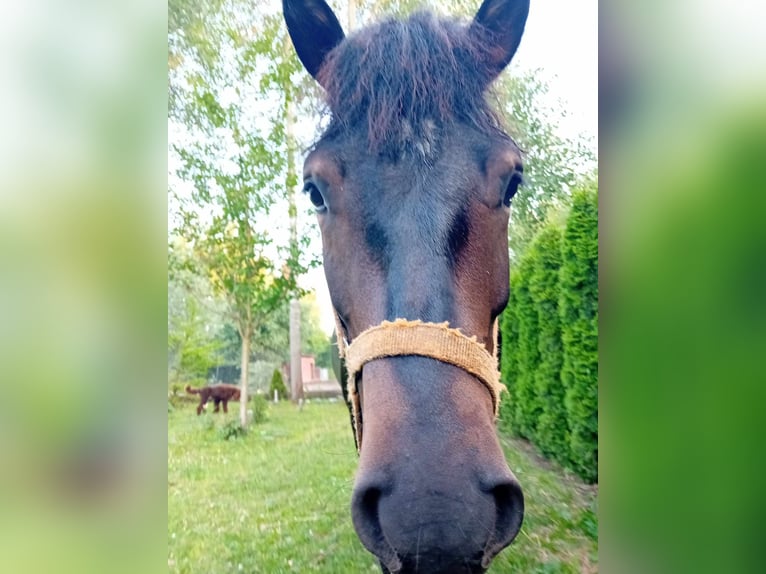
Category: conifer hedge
<point>526,402</point>
<point>509,357</point>
<point>549,356</point>
<point>552,426</point>
<point>578,301</point>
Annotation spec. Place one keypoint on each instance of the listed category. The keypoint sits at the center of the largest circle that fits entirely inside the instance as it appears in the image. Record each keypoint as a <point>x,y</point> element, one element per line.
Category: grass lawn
<point>277,500</point>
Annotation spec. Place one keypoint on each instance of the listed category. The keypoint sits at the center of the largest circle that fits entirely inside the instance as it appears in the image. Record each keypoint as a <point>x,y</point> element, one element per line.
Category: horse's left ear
<point>314,30</point>
<point>501,24</point>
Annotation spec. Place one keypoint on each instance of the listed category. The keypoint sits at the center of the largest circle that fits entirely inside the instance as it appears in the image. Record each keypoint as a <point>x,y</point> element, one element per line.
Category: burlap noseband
<point>402,337</point>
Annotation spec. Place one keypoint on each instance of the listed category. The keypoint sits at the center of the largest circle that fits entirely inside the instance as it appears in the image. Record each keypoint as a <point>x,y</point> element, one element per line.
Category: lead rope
<point>402,337</point>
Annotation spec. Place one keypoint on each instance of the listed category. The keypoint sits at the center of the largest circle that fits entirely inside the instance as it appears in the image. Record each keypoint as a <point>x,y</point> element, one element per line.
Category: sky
<point>561,40</point>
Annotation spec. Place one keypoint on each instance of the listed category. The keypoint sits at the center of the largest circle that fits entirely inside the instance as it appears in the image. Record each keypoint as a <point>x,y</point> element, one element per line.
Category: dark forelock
<point>399,82</point>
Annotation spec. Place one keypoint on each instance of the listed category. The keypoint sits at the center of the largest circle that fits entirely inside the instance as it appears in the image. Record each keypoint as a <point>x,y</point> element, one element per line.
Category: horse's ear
<point>314,29</point>
<point>501,24</point>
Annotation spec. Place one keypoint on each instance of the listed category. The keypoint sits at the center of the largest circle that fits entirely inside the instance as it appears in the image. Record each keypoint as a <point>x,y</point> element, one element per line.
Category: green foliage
<point>527,407</point>
<point>552,432</point>
<point>260,407</point>
<point>278,385</point>
<point>549,359</point>
<point>552,165</point>
<point>177,396</point>
<point>509,358</point>
<point>588,523</point>
<point>231,429</point>
<point>579,314</point>
<point>233,155</point>
<point>314,341</point>
<point>230,342</point>
<point>270,338</point>
<point>193,34</point>
<point>194,350</point>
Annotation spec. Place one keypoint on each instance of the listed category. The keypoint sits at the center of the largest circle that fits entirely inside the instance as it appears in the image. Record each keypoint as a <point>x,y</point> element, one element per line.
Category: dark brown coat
<point>219,393</point>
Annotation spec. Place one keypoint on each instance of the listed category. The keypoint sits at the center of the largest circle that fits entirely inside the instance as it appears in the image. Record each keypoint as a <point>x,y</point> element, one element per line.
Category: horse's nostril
<point>368,508</point>
<point>509,504</point>
<point>364,514</point>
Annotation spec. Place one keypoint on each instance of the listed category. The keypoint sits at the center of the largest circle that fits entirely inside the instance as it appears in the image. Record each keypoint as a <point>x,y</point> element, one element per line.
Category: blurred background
<point>87,172</point>
<point>682,273</point>
<point>82,288</point>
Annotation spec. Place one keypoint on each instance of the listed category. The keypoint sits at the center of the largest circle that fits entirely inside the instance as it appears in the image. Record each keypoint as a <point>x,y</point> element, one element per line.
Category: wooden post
<point>243,380</point>
<point>296,380</point>
<point>296,377</point>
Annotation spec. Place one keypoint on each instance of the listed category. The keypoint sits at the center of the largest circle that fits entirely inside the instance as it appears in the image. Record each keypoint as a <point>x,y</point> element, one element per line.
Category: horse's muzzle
<point>431,527</point>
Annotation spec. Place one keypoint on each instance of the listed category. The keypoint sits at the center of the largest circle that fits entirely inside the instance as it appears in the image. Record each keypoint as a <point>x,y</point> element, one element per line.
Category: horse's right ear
<point>314,29</point>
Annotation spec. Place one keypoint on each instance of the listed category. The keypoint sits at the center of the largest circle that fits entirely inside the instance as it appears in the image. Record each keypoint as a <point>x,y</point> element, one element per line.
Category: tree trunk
<point>243,380</point>
<point>296,377</point>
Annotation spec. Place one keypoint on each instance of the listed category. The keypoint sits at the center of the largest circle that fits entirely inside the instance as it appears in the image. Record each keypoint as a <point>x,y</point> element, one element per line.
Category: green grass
<point>277,500</point>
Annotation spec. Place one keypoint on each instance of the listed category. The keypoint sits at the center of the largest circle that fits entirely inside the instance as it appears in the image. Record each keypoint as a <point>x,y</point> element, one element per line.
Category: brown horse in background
<point>219,393</point>
<point>412,182</point>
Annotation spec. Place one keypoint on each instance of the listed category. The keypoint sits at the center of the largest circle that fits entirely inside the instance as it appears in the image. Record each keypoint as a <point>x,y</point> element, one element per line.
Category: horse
<point>220,393</point>
<point>412,182</point>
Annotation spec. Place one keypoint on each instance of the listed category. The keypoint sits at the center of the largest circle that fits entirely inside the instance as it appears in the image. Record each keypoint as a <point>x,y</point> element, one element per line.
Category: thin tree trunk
<point>296,380</point>
<point>296,377</point>
<point>243,380</point>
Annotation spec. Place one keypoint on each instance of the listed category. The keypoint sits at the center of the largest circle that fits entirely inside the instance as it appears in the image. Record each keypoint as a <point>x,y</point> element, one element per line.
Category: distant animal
<point>219,393</point>
<point>412,182</point>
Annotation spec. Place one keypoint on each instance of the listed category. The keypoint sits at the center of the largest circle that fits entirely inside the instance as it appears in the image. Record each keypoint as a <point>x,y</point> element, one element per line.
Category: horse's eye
<point>310,188</point>
<point>513,186</point>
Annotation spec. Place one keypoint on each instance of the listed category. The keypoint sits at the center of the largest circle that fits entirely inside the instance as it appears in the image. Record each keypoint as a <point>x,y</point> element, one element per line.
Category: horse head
<point>412,183</point>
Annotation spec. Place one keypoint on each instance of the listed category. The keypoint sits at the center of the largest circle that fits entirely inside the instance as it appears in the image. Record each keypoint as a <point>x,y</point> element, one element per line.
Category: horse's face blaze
<point>413,209</point>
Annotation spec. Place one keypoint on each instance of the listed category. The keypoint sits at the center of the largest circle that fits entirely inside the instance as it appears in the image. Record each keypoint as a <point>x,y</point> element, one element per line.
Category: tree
<point>194,39</point>
<point>509,358</point>
<point>231,254</point>
<point>579,317</point>
<point>549,358</point>
<point>231,184</point>
<point>192,349</point>
<point>552,165</point>
<point>314,341</point>
<point>527,408</point>
<point>238,158</point>
<point>277,384</point>
<point>552,431</point>
<point>192,321</point>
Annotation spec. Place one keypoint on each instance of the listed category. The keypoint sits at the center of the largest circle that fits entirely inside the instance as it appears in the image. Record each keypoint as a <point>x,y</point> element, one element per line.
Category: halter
<point>402,337</point>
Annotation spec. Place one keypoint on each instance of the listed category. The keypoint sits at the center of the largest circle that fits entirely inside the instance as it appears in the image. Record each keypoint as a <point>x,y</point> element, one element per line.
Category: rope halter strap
<point>435,340</point>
